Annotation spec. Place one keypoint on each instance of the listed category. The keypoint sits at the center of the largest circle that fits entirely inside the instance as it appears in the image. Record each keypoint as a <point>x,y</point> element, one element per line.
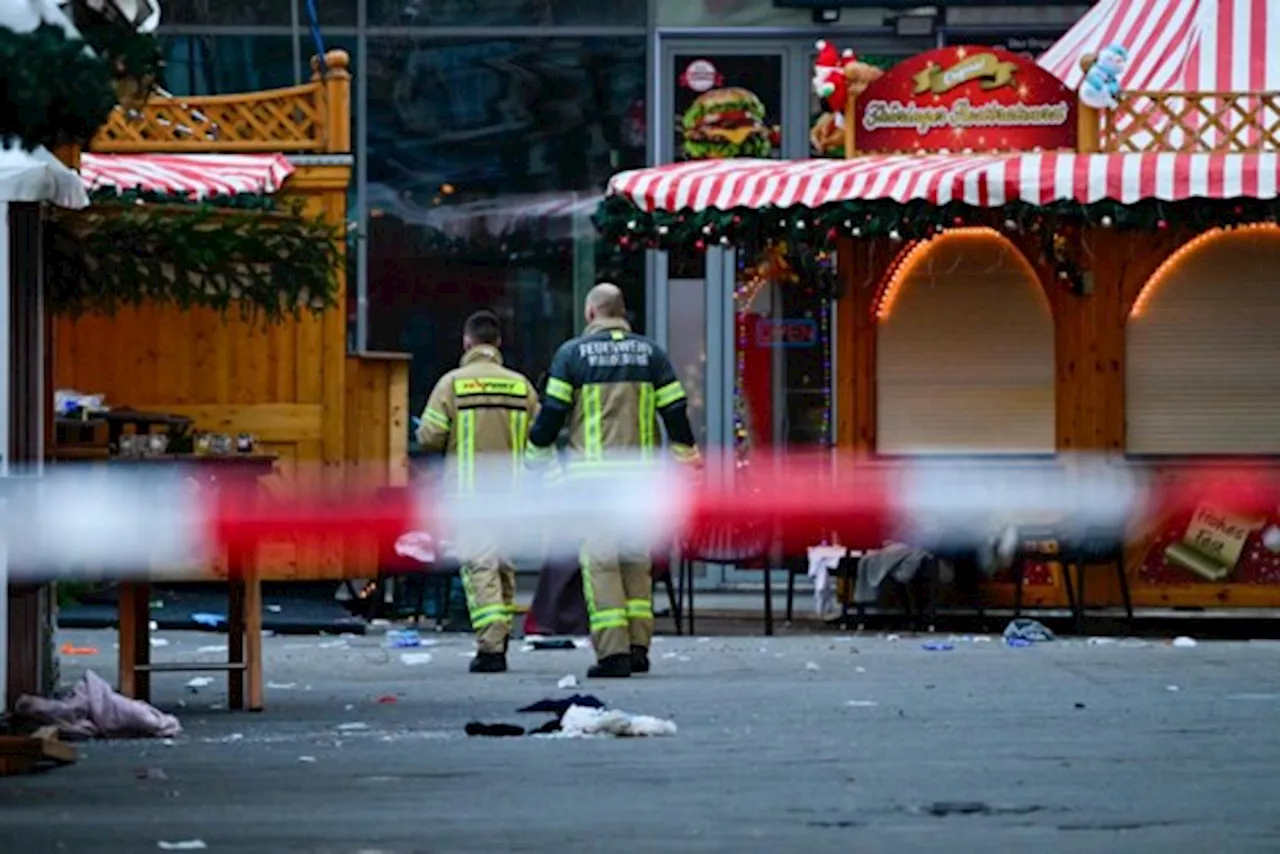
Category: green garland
<point>139,196</point>
<point>53,92</point>
<point>271,264</point>
<point>629,228</point>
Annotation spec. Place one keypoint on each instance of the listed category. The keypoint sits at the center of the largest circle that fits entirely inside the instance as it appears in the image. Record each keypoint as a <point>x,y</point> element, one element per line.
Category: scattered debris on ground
<point>1024,632</point>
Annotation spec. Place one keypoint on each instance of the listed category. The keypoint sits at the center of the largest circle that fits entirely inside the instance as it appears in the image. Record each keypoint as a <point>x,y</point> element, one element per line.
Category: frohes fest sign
<point>965,98</point>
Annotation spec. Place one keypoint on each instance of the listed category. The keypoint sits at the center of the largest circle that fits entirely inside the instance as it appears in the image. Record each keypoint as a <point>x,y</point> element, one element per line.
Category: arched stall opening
<point>1201,374</point>
<point>964,351</point>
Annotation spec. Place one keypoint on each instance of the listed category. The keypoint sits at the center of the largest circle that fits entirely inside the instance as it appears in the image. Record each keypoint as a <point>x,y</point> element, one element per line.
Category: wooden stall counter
<point>244,610</point>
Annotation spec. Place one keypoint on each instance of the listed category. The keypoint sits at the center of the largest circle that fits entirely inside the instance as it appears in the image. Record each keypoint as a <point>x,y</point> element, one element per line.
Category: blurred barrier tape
<point>106,522</point>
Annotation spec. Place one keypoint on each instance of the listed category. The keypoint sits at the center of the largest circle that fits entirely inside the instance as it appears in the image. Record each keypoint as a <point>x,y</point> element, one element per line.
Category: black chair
<point>662,574</point>
<point>1075,554</point>
<point>741,545</point>
<point>1095,547</point>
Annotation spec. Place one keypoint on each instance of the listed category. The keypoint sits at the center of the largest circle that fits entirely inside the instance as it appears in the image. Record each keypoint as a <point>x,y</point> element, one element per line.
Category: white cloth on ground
<point>582,721</point>
<point>93,709</point>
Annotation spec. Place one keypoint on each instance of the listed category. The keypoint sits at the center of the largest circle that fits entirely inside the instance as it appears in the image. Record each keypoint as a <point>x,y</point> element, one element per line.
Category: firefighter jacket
<point>610,386</point>
<point>478,409</point>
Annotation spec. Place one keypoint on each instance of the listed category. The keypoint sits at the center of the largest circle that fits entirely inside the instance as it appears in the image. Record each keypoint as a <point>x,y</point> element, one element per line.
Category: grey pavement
<point>801,743</point>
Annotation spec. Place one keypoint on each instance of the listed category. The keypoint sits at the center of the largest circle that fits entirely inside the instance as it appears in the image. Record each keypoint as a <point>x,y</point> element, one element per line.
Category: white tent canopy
<point>38,176</point>
<point>25,177</point>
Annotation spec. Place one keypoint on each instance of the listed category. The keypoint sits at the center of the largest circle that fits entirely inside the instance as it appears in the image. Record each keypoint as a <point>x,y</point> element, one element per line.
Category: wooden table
<point>244,612</point>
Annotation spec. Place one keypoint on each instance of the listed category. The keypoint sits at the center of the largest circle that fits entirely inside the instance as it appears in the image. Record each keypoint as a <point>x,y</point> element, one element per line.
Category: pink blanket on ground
<point>95,710</point>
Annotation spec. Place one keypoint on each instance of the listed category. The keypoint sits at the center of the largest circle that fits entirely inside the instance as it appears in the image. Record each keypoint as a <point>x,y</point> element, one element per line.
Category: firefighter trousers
<point>618,584</point>
<point>490,585</point>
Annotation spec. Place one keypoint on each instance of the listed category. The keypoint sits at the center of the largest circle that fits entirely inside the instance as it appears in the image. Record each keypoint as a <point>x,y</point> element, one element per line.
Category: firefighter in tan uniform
<point>481,409</point>
<point>611,386</point>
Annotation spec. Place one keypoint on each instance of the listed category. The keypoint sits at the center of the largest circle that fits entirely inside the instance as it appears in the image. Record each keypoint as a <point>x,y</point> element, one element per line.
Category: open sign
<point>787,333</point>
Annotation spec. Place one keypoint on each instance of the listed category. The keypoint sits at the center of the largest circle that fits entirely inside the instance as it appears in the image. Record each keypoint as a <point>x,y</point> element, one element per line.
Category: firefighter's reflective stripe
<point>648,420</point>
<point>481,615</point>
<point>519,434</point>
<point>610,618</point>
<point>470,386</point>
<point>436,418</point>
<point>669,394</point>
<point>639,609</point>
<point>466,450</point>
<point>592,424</point>
<point>560,390</point>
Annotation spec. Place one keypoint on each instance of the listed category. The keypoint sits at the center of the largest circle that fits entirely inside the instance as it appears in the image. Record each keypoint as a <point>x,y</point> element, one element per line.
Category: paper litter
<point>569,681</point>
<point>412,658</point>
<point>185,845</point>
<point>582,722</point>
<point>1184,642</point>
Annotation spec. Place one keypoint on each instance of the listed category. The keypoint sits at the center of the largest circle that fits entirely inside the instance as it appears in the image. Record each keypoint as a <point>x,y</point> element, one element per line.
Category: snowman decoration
<point>1102,74</point>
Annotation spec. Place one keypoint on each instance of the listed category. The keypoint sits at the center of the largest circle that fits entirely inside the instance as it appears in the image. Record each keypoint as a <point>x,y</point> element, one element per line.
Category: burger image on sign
<point>726,122</point>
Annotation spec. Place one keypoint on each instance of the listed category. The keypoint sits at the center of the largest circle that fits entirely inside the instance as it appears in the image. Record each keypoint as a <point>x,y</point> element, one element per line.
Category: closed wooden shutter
<point>1202,362</point>
<point>965,354</point>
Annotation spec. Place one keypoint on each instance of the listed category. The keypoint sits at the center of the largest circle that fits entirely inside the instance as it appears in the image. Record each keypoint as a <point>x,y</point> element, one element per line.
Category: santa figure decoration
<point>837,76</point>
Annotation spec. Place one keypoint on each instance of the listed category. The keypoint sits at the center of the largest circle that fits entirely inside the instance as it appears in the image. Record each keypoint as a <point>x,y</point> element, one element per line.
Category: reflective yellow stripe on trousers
<point>648,415</point>
<point>592,424</point>
<point>466,450</point>
<point>519,434</point>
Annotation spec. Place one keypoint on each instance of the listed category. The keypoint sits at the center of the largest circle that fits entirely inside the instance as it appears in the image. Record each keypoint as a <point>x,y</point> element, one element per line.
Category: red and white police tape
<point>76,521</point>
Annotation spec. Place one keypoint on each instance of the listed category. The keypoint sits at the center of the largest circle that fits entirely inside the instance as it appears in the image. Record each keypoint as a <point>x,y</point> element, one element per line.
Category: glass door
<point>728,98</point>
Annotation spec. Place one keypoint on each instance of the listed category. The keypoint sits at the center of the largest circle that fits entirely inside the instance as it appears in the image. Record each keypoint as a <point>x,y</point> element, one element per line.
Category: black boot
<point>611,667</point>
<point>639,659</point>
<point>489,662</point>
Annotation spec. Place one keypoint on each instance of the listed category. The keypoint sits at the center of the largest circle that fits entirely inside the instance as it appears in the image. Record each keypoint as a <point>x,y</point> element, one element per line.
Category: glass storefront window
<point>222,64</point>
<point>507,13</point>
<point>485,163</point>
<point>256,13</point>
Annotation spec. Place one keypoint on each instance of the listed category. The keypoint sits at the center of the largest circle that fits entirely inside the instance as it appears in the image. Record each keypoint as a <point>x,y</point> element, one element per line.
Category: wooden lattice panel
<point>1193,122</point>
<point>290,119</point>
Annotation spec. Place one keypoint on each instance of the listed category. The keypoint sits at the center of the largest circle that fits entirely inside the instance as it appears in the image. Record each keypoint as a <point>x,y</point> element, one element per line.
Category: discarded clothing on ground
<point>1026,631</point>
<point>560,705</point>
<point>494,730</point>
<point>898,563</point>
<point>581,722</point>
<point>579,716</point>
<point>94,710</point>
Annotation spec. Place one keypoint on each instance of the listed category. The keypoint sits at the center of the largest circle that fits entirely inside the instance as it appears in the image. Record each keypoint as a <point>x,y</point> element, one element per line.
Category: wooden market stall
<point>320,417</point>
<point>1077,254</point>
<point>328,415</point>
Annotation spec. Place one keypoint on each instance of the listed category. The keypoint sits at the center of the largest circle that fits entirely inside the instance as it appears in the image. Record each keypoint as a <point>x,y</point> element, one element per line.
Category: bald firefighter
<point>611,386</point>
<point>481,409</point>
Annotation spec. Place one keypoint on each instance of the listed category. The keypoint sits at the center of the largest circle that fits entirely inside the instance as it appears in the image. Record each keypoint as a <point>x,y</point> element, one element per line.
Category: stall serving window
<point>1201,370</point>
<point>964,351</point>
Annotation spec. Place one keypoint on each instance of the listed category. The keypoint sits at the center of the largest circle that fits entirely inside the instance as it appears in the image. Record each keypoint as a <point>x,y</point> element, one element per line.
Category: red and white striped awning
<point>982,180</point>
<point>195,175</point>
<point>1183,46</point>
